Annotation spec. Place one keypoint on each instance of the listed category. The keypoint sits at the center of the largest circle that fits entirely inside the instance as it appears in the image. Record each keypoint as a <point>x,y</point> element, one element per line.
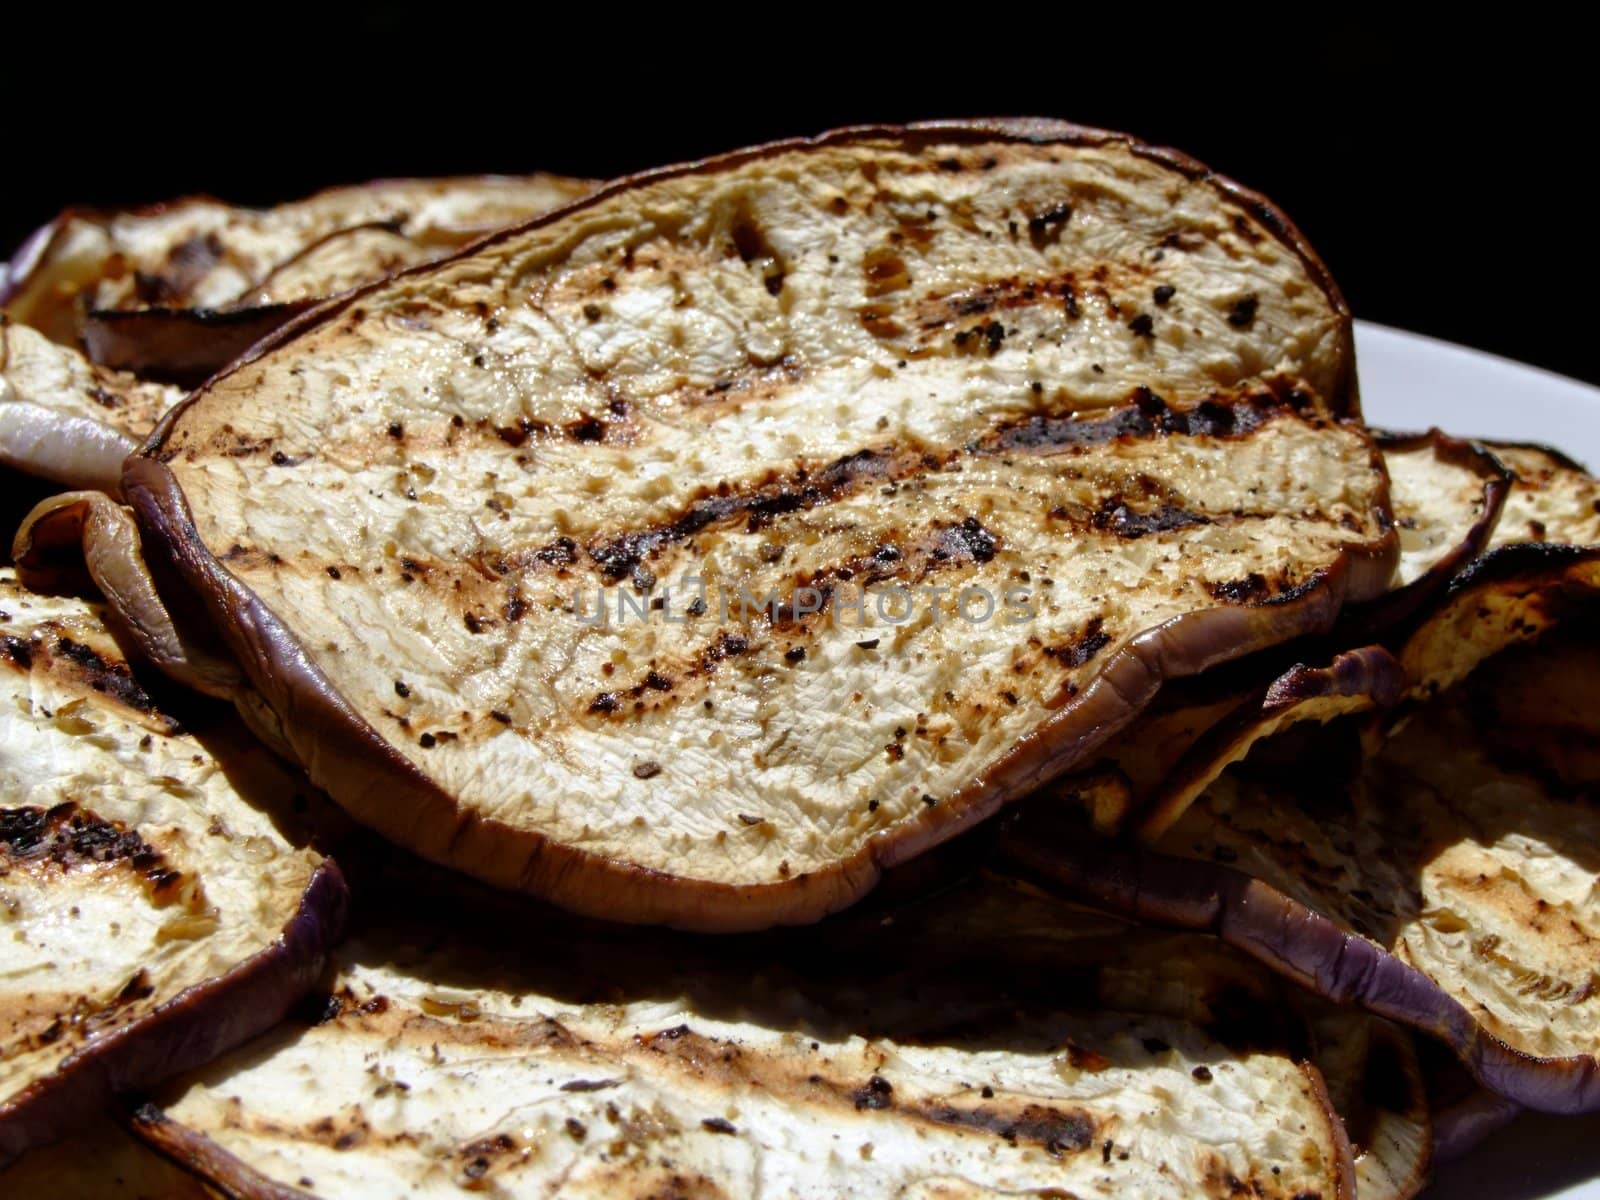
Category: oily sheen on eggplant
<point>620,1064</point>
<point>157,911</point>
<point>1089,380</point>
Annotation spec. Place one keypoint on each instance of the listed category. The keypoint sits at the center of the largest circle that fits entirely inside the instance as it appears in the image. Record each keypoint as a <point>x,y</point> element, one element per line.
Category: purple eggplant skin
<point>184,346</point>
<point>1463,1126</point>
<point>199,1024</point>
<point>1052,851</point>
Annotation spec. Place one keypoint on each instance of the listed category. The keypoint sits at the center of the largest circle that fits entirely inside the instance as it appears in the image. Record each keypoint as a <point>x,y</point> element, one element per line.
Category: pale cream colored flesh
<point>454,451</point>
<point>1436,500</point>
<point>1551,501</point>
<point>162,871</point>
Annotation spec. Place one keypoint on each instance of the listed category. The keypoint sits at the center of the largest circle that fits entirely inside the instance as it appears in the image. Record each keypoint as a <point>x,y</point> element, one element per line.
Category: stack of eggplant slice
<point>884,664</point>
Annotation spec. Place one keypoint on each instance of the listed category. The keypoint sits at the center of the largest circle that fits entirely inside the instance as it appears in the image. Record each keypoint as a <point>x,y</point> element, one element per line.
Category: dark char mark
<point>108,678</point>
<point>1116,517</point>
<point>1146,417</point>
<point>1058,1131</point>
<point>68,837</point>
<point>618,557</point>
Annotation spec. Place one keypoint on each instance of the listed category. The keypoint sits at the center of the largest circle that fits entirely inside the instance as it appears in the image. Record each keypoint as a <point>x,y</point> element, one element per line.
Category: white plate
<point>1409,382</point>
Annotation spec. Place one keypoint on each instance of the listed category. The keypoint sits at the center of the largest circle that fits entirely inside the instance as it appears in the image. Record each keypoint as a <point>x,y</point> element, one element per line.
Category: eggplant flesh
<point>1553,499</point>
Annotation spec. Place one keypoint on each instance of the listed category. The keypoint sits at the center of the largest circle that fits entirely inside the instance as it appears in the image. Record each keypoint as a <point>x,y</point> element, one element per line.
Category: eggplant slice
<point>1436,886</point>
<point>1376,1085</point>
<point>162,904</point>
<point>199,253</point>
<point>65,420</point>
<point>614,1063</point>
<point>176,291</point>
<point>1512,595</point>
<point>1447,495</point>
<point>1554,499</point>
<point>806,374</point>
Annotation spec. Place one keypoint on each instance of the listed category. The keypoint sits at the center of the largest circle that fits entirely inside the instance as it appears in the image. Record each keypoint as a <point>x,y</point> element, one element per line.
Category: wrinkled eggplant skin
<point>1291,939</point>
<point>197,1026</point>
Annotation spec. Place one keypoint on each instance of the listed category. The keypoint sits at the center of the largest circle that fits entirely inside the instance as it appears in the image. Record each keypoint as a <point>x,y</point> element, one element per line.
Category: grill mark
<point>68,838</point>
<point>758,507</point>
<point>106,676</point>
<point>1147,417</point>
<point>1058,1131</point>
<point>1116,517</point>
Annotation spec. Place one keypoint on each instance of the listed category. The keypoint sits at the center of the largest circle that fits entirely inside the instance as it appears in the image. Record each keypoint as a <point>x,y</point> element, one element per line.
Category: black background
<point>1442,170</point>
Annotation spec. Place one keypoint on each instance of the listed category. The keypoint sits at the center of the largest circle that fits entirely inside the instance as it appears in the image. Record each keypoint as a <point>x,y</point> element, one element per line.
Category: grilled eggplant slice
<point>1554,499</point>
<point>930,358</point>
<point>1511,595</point>
<point>1447,496</point>
<point>200,253</point>
<point>618,1064</point>
<point>66,420</point>
<point>1437,888</point>
<point>176,291</point>
<point>161,907</point>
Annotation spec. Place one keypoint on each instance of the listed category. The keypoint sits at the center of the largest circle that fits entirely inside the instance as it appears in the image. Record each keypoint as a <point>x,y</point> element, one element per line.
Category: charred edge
<point>108,677</point>
<point>1523,560</point>
<point>68,837</point>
